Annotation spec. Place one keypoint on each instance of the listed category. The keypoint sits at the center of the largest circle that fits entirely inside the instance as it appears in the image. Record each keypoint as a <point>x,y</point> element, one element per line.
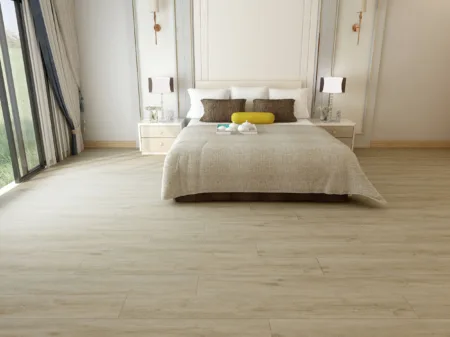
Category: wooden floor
<point>89,249</point>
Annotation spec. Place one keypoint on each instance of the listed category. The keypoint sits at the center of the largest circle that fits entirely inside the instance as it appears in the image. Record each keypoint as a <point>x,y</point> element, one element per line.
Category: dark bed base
<point>261,197</point>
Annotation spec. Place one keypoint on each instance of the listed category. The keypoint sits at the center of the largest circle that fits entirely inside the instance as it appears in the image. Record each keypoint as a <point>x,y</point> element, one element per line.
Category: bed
<point>283,162</point>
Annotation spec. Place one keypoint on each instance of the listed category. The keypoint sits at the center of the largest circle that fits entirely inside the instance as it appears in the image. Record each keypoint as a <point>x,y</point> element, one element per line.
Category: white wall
<point>156,60</point>
<point>413,94</point>
<point>353,60</point>
<point>108,69</point>
<point>412,91</point>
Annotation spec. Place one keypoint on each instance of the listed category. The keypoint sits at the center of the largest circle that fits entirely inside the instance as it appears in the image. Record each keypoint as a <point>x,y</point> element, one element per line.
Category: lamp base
<point>323,116</point>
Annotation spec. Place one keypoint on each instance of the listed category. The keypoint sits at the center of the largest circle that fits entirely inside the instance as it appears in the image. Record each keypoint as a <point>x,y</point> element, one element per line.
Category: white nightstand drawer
<point>347,141</point>
<point>158,137</point>
<point>156,145</point>
<point>339,131</point>
<point>160,131</point>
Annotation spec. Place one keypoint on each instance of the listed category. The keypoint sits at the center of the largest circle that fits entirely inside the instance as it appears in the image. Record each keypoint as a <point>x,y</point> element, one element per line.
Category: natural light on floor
<point>7,188</point>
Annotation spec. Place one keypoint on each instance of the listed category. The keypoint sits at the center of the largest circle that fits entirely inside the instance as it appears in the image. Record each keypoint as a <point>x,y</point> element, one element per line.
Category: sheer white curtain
<point>53,45</point>
<point>65,10</point>
<point>61,130</point>
<point>59,22</point>
<point>46,116</point>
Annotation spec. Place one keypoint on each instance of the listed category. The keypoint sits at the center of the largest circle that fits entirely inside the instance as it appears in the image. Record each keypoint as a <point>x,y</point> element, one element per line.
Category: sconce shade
<point>333,85</point>
<point>363,6</point>
<point>154,6</point>
<point>160,85</point>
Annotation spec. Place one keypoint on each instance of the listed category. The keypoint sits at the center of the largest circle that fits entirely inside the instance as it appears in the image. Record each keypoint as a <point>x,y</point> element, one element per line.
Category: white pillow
<point>249,94</point>
<point>300,96</point>
<point>196,95</point>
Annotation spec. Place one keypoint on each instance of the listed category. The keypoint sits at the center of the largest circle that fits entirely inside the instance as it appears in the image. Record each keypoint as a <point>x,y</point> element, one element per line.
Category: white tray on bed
<point>249,132</point>
<point>222,132</point>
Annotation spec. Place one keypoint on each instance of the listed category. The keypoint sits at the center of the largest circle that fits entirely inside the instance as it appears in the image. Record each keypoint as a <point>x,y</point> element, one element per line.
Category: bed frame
<point>261,197</point>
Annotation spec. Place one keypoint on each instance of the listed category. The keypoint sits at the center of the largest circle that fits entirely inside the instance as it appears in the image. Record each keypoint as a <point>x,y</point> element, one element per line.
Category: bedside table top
<point>175,122</point>
<point>343,122</point>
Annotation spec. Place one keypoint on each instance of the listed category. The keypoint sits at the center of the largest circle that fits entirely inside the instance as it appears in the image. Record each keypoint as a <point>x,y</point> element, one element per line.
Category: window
<point>20,142</point>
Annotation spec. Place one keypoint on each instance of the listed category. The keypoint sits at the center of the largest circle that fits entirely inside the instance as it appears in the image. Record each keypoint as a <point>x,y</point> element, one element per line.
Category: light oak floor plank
<point>95,284</point>
<point>265,306</point>
<point>360,328</point>
<point>352,249</point>
<point>384,266</point>
<point>127,328</point>
<point>73,306</point>
<point>200,263</point>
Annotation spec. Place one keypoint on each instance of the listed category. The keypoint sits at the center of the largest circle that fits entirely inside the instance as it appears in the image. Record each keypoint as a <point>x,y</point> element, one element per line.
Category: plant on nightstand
<point>152,113</point>
<point>325,113</point>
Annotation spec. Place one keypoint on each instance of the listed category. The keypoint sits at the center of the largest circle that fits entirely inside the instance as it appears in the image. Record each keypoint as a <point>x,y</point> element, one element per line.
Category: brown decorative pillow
<point>283,109</point>
<point>220,110</point>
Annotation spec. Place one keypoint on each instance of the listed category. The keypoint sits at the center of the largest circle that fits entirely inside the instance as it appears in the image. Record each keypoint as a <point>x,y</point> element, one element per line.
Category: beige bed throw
<point>280,159</point>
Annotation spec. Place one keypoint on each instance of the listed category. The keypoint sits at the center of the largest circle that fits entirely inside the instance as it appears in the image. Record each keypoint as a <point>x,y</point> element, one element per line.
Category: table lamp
<point>160,85</point>
<point>331,85</point>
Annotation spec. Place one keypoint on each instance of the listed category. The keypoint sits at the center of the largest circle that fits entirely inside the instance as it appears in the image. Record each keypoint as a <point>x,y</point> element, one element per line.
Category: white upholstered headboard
<point>228,84</point>
<point>269,84</point>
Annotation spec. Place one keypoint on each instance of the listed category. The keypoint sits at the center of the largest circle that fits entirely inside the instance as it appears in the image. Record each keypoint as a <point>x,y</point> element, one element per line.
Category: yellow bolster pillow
<point>253,117</point>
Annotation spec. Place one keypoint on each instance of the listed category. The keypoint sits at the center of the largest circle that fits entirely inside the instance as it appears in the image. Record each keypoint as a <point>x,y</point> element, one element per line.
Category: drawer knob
<point>161,133</point>
<point>334,132</point>
<point>161,144</point>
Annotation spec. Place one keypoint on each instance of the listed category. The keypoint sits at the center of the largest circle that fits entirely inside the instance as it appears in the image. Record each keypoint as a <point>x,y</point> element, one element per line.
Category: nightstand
<point>158,137</point>
<point>343,130</point>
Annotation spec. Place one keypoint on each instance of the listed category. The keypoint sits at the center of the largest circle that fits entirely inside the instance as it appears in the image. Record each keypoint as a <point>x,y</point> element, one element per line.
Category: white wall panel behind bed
<point>255,41</point>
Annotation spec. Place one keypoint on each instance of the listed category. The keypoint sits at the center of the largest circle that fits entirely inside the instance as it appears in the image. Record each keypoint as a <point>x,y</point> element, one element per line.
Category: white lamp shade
<point>333,85</point>
<point>363,6</point>
<point>160,85</point>
<point>154,5</point>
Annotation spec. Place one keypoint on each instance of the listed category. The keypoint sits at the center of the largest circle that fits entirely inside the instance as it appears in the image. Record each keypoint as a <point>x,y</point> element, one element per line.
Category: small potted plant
<point>151,113</point>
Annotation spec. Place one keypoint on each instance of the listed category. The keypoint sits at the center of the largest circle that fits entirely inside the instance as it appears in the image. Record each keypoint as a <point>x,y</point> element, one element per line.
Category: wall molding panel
<point>329,13</point>
<point>184,32</point>
<point>364,139</point>
<point>255,40</point>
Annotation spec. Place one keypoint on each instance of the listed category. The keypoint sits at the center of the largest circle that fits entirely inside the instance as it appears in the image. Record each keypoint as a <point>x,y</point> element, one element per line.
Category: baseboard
<point>110,144</point>
<point>411,144</point>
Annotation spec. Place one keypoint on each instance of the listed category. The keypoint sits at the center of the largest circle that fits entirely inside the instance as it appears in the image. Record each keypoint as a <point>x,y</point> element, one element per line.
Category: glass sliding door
<point>17,87</point>
<point>6,167</point>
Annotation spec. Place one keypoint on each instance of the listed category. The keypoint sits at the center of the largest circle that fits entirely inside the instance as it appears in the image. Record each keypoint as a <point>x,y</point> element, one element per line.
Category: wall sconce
<point>357,26</point>
<point>154,7</point>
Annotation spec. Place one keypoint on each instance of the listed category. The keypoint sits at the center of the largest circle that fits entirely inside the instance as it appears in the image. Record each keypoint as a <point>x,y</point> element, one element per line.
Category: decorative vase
<point>169,115</point>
